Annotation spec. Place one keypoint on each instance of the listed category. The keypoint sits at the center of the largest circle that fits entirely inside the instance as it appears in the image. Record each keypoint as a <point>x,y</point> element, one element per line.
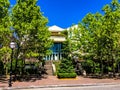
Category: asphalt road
<point>98,87</point>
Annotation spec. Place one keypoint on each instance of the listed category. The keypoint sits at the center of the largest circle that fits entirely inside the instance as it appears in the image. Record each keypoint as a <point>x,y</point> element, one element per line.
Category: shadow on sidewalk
<point>22,78</point>
<point>28,78</point>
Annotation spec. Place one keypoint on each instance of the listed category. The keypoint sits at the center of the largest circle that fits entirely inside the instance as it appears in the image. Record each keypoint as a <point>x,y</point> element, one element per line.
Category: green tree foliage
<point>4,23</point>
<point>29,24</point>
<point>99,35</point>
<point>66,66</point>
<point>5,33</point>
<point>66,69</point>
<point>111,26</point>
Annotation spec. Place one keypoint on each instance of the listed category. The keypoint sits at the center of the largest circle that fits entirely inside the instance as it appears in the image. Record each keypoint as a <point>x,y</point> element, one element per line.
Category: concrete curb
<point>54,86</point>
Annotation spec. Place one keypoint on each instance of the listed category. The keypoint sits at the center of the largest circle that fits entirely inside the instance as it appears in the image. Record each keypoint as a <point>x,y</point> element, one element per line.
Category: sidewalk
<point>53,81</point>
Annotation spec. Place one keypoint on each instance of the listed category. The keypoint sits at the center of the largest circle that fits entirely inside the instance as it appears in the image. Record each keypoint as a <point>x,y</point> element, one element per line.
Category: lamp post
<point>12,46</point>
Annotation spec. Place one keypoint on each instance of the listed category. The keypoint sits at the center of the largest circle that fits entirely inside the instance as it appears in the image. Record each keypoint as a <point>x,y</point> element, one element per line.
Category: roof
<point>72,27</point>
<point>55,28</point>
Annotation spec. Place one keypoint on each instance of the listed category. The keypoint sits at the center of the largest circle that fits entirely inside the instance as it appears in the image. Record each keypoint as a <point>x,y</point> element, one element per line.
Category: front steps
<point>48,67</point>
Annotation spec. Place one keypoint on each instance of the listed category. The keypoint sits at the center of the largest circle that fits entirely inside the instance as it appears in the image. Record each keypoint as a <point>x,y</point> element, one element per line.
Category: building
<point>58,38</point>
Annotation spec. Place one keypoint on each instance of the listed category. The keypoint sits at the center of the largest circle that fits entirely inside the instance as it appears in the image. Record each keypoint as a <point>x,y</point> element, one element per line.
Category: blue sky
<point>65,13</point>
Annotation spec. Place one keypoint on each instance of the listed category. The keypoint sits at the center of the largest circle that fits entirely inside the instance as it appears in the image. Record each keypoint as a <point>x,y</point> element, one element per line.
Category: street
<point>98,87</point>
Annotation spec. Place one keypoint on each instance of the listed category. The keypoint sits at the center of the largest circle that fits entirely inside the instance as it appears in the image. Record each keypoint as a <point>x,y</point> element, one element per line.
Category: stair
<point>48,67</point>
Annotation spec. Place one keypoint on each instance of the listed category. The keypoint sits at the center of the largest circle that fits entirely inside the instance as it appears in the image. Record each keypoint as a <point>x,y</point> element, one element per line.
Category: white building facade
<point>58,39</point>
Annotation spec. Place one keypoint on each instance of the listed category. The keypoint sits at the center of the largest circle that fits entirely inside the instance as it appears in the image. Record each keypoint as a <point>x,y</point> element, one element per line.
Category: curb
<point>64,85</point>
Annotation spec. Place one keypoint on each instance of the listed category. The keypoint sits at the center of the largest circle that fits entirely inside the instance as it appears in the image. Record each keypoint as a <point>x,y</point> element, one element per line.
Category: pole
<point>10,79</point>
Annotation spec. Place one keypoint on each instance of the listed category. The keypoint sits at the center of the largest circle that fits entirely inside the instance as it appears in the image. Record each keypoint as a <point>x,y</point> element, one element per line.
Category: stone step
<point>48,67</point>
<point>48,62</point>
<point>49,72</point>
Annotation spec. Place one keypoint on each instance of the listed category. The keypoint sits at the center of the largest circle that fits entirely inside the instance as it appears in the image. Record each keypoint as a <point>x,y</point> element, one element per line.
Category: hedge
<point>66,75</point>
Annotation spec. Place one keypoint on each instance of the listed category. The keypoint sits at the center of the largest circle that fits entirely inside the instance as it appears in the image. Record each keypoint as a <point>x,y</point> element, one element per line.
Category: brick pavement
<point>53,80</point>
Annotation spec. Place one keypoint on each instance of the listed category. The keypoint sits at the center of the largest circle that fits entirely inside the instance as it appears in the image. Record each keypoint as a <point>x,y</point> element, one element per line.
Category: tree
<point>111,25</point>
<point>99,36</point>
<point>93,24</point>
<point>4,23</point>
<point>30,29</point>
<point>66,68</point>
<point>5,32</point>
<point>30,26</point>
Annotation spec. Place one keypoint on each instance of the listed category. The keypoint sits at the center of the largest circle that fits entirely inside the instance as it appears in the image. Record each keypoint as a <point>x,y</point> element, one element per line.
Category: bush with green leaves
<point>67,75</point>
<point>91,67</point>
<point>1,67</point>
<point>66,69</point>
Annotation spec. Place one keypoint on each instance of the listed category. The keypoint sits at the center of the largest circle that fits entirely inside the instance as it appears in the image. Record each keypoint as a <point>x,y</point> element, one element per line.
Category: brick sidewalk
<point>52,80</point>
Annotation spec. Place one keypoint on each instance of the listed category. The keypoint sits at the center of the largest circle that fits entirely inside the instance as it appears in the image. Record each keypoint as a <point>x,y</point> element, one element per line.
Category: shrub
<point>66,69</point>
<point>66,75</point>
<point>66,66</point>
<point>1,67</point>
<point>91,67</point>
